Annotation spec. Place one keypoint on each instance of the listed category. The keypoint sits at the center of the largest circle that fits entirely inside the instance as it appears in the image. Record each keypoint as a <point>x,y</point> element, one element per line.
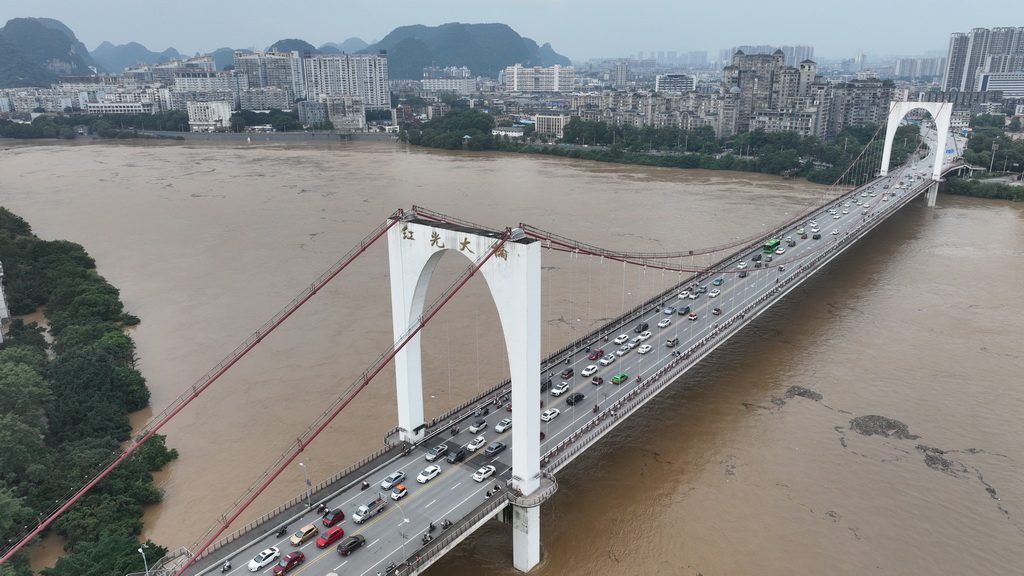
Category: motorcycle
<point>446,524</point>
<point>391,568</point>
<point>405,451</point>
<point>596,409</point>
<point>427,538</point>
<point>364,485</point>
<point>226,567</point>
<point>282,531</point>
<point>431,527</point>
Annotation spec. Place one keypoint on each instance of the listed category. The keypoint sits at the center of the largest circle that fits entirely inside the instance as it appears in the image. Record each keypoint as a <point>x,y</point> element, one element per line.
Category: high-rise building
<point>982,51</point>
<point>273,70</point>
<point>674,83</point>
<point>364,75</point>
<point>621,79</point>
<point>556,78</point>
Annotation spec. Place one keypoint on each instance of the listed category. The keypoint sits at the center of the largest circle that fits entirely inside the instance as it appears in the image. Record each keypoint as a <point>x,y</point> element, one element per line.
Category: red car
<point>333,517</point>
<point>288,562</point>
<point>595,354</point>
<point>717,311</point>
<point>329,536</point>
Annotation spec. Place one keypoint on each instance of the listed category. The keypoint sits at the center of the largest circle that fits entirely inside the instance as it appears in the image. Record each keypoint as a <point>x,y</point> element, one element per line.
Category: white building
<point>537,79</point>
<point>209,116</point>
<point>364,75</point>
<point>674,83</point>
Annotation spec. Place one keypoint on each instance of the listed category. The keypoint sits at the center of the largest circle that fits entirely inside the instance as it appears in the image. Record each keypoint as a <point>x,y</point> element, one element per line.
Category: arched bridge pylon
<point>941,112</point>
<point>513,276</point>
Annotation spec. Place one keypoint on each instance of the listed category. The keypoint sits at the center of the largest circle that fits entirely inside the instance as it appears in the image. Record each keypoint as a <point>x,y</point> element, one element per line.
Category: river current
<point>724,474</point>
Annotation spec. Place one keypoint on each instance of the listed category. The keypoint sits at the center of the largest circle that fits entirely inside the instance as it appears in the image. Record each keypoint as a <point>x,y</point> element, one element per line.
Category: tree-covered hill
<point>36,51</point>
<point>483,48</point>
<point>117,58</point>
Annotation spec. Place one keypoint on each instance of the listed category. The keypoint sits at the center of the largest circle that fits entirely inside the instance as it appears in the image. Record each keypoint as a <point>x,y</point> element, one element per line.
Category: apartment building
<point>363,75</point>
<point>982,51</point>
<point>273,69</point>
<point>539,79</point>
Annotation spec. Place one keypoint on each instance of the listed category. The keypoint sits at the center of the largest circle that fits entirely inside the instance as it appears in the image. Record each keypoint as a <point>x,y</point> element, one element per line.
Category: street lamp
<point>144,561</point>
<point>993,158</point>
<point>305,477</point>
<point>404,535</point>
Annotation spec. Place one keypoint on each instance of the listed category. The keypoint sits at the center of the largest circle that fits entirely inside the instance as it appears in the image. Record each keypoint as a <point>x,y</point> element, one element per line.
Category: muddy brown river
<point>919,325</point>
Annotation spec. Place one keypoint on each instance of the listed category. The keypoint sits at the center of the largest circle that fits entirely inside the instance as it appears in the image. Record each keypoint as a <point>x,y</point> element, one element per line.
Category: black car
<point>816,237</point>
<point>350,544</point>
<point>456,456</point>
<point>574,398</point>
<point>743,274</point>
<point>755,257</point>
<point>495,448</point>
<point>684,310</point>
<point>597,381</point>
<point>641,327</point>
<point>545,385</point>
<point>567,373</point>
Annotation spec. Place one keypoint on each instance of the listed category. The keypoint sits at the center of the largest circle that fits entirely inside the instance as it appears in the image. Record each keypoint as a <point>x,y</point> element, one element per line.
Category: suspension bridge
<point>586,388</point>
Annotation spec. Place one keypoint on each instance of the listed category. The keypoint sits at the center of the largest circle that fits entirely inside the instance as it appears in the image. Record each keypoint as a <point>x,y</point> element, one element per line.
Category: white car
<point>835,231</point>
<point>714,293</point>
<point>623,350</point>
<point>589,371</point>
<point>428,474</point>
<point>814,230</point>
<point>560,389</point>
<point>484,473</point>
<point>683,294</point>
<point>505,424</point>
<point>476,444</point>
<point>664,323</point>
<point>694,295</point>
<point>264,559</point>
<point>644,349</point>
<point>813,223</point>
<point>780,250</point>
<point>549,414</point>
<point>605,360</point>
<point>836,216</point>
<point>741,265</point>
<point>645,335</point>
<point>621,338</point>
<point>845,211</point>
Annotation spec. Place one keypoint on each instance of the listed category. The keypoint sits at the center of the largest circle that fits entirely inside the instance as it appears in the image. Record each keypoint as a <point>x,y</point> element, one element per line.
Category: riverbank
<point>276,136</point>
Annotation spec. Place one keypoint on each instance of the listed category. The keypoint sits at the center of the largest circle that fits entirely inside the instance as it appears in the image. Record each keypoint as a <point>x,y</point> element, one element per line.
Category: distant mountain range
<point>36,51</point>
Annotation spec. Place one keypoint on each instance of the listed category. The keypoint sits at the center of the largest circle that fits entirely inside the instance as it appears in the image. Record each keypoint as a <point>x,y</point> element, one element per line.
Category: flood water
<point>920,323</point>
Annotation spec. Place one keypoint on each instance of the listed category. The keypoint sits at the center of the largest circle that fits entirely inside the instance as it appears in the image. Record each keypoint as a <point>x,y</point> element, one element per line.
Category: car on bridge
<point>495,448</point>
<point>684,294</point>
<point>567,373</point>
<point>351,544</point>
<point>288,562</point>
<point>333,517</point>
<point>621,339</point>
<point>835,231</point>
<point>644,349</point>
<point>549,414</point>
<point>634,342</point>
<point>304,534</point>
<point>590,370</point>
<point>606,360</point>
<point>717,281</point>
<point>505,424</point>
<point>396,477</point>
<point>741,265</point>
<point>477,443</point>
<point>398,493</point>
<point>330,536</point>
<point>623,350</point>
<point>619,378</point>
<point>714,293</point>
<point>264,559</point>
<point>645,335</point>
<point>478,425</point>
<point>781,250</point>
<point>428,474</point>
<point>457,455</point>
<point>755,257</point>
<point>596,353</point>
<point>694,295</point>
<point>816,237</point>
<point>684,310</point>
<point>742,274</point>
<point>437,452</point>
<point>574,399</point>
<point>560,389</point>
<point>666,321</point>
<point>641,327</point>
<point>484,473</point>
<point>692,316</point>
<point>668,310</point>
<point>597,381</point>
<point>717,311</point>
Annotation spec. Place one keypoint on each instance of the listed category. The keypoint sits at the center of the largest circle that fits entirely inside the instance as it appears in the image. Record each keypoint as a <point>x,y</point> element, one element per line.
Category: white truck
<point>364,513</point>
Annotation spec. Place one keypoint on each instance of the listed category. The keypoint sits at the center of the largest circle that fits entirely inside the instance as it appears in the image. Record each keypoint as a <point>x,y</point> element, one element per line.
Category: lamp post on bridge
<point>144,561</point>
<point>305,478</point>
<point>403,535</point>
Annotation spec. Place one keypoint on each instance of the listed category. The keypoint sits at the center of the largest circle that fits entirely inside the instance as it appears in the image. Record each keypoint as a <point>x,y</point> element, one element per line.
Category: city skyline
<point>600,29</point>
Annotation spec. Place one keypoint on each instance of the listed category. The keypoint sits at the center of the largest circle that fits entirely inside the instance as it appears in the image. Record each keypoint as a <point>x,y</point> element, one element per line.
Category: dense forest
<point>65,396</point>
<point>781,153</point>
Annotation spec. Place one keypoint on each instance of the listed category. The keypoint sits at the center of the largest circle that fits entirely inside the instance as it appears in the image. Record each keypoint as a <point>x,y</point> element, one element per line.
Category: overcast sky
<point>578,29</point>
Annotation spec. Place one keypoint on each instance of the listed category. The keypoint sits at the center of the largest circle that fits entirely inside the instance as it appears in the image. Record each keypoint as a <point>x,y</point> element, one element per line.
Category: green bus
<point>771,245</point>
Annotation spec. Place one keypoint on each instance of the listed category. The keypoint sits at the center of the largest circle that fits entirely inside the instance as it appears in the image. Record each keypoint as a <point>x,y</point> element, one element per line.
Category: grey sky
<point>578,29</point>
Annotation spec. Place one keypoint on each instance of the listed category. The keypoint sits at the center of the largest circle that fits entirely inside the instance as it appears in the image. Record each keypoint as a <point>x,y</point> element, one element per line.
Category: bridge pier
<point>525,537</point>
<point>932,194</point>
